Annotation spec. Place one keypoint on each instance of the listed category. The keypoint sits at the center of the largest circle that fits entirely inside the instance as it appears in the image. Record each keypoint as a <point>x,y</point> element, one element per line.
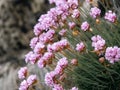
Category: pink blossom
<point>80,47</point>
<point>71,25</point>
<point>39,47</point>
<point>85,26</point>
<point>48,56</point>
<point>63,62</point>
<point>33,42</point>
<point>49,78</point>
<point>98,42</point>
<point>112,54</point>
<point>94,12</point>
<point>58,70</point>
<point>110,16</point>
<point>57,87</point>
<point>22,72</point>
<point>37,29</point>
<point>32,57</point>
<point>73,4</point>
<point>23,85</point>
<point>41,63</point>
<point>76,13</point>
<point>74,88</point>
<point>31,79</point>
<point>62,32</point>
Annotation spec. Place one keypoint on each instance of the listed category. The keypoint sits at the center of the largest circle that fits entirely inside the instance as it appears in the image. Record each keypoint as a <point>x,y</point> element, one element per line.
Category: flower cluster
<point>85,26</point>
<point>94,12</point>
<point>110,16</point>
<point>80,47</point>
<point>98,42</point>
<point>25,84</point>
<point>112,54</point>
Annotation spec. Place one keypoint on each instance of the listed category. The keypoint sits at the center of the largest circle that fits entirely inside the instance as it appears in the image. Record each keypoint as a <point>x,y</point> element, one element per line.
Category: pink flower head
<point>74,88</point>
<point>76,13</point>
<point>71,25</point>
<point>49,78</point>
<point>85,26</point>
<point>110,16</point>
<point>112,54</point>
<point>32,57</point>
<point>48,56</point>
<point>98,42</point>
<point>37,29</point>
<point>23,85</point>
<point>31,79</point>
<point>80,47</point>
<point>57,87</point>
<point>41,63</point>
<point>39,47</point>
<point>58,70</point>
<point>22,72</point>
<point>73,4</point>
<point>94,12</point>
<point>63,62</point>
<point>62,32</point>
<point>33,42</point>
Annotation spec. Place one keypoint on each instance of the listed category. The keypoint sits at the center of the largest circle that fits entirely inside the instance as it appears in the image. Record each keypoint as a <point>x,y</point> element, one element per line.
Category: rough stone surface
<point>17,18</point>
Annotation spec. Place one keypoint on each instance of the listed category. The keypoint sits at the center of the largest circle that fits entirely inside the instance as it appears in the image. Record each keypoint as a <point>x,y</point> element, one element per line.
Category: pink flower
<point>22,72</point>
<point>37,29</point>
<point>73,3</point>
<point>57,87</point>
<point>98,42</point>
<point>110,16</point>
<point>112,54</point>
<point>74,88</point>
<point>85,26</point>
<point>33,42</point>
<point>63,62</point>
<point>31,79</point>
<point>39,47</point>
<point>94,12</point>
<point>32,57</point>
<point>76,13</point>
<point>58,70</point>
<point>48,56</point>
<point>41,63</point>
<point>71,25</point>
<point>62,32</point>
<point>80,47</point>
<point>23,85</point>
<point>49,78</point>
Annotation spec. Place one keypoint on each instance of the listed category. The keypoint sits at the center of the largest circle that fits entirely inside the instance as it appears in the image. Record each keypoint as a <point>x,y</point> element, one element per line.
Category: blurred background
<point>17,19</point>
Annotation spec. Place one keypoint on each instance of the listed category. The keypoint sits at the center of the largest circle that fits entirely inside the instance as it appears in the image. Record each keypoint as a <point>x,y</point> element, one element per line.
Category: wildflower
<point>71,25</point>
<point>31,79</point>
<point>24,85</point>
<point>76,13</point>
<point>41,63</point>
<point>32,57</point>
<point>112,54</point>
<point>63,62</point>
<point>110,16</point>
<point>85,26</point>
<point>80,47</point>
<point>73,3</point>
<point>94,12</point>
<point>74,88</point>
<point>22,73</point>
<point>37,29</point>
<point>49,78</point>
<point>33,42</point>
<point>62,32</point>
<point>58,70</point>
<point>39,48</point>
<point>98,42</point>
